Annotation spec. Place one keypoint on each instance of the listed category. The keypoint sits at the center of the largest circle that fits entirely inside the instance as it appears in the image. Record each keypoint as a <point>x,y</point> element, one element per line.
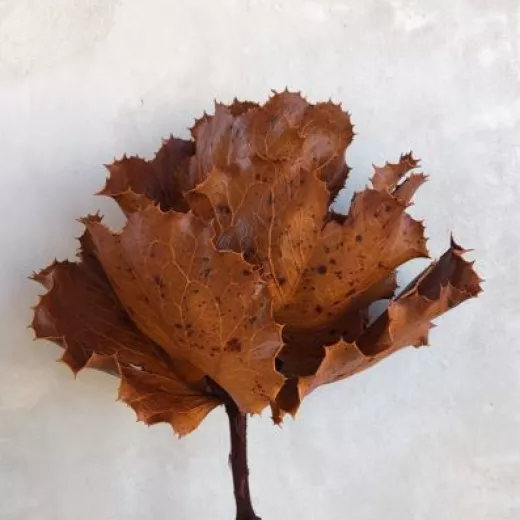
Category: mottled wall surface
<point>427,435</point>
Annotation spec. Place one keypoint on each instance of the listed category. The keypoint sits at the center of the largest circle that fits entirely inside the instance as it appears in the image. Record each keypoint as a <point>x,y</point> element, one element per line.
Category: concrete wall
<point>427,435</point>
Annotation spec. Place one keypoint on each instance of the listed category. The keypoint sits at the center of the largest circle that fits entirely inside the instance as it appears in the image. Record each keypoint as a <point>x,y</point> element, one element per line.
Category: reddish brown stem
<point>238,462</point>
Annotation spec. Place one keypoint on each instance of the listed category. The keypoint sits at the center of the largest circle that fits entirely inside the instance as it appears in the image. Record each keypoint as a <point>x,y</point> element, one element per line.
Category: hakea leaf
<point>233,280</point>
<point>136,183</point>
<point>82,314</point>
<point>406,322</point>
<point>207,307</point>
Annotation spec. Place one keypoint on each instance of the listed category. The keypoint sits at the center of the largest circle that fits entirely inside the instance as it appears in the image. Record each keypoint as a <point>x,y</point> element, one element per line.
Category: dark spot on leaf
<point>158,281</point>
<point>249,253</point>
<point>234,345</point>
<point>322,269</point>
<point>319,309</point>
<point>359,238</point>
<point>332,261</point>
<point>223,210</point>
<point>281,280</point>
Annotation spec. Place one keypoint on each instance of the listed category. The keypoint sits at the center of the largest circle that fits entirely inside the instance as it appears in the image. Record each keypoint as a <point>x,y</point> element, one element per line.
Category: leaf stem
<point>238,461</point>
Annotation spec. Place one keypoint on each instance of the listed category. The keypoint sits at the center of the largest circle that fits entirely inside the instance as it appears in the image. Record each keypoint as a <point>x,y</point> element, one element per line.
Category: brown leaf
<point>205,306</point>
<point>81,313</point>
<point>134,183</point>
<point>256,161</point>
<point>286,129</point>
<point>159,398</point>
<point>232,250</point>
<point>443,285</point>
<point>269,203</point>
<point>349,261</point>
<point>386,177</point>
<point>303,350</point>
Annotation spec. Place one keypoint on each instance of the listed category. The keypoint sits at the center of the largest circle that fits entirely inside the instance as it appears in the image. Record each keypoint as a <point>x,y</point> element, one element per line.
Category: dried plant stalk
<point>233,283</point>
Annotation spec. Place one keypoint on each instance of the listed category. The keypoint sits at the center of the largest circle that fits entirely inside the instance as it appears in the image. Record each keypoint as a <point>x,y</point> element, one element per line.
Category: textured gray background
<point>427,435</point>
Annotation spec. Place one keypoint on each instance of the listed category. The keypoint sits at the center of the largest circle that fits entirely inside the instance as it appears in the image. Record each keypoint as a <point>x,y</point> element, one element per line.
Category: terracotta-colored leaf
<point>163,397</point>
<point>443,285</point>
<point>354,257</point>
<point>246,137</point>
<point>269,203</point>
<point>81,313</point>
<point>265,161</point>
<point>386,177</point>
<point>304,348</point>
<point>406,322</point>
<point>205,306</point>
<point>234,282</point>
<point>349,259</point>
<point>135,183</point>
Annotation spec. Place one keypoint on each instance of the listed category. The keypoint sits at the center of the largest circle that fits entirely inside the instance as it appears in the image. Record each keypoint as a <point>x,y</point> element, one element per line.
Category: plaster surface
<point>426,435</point>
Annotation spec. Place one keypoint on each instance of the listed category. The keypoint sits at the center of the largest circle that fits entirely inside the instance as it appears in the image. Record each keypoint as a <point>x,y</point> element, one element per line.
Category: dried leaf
<point>269,203</point>
<point>82,314</point>
<point>135,183</point>
<point>349,261</point>
<point>386,177</point>
<point>205,306</point>
<point>250,139</point>
<point>407,320</point>
<point>262,168</point>
<point>233,281</point>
